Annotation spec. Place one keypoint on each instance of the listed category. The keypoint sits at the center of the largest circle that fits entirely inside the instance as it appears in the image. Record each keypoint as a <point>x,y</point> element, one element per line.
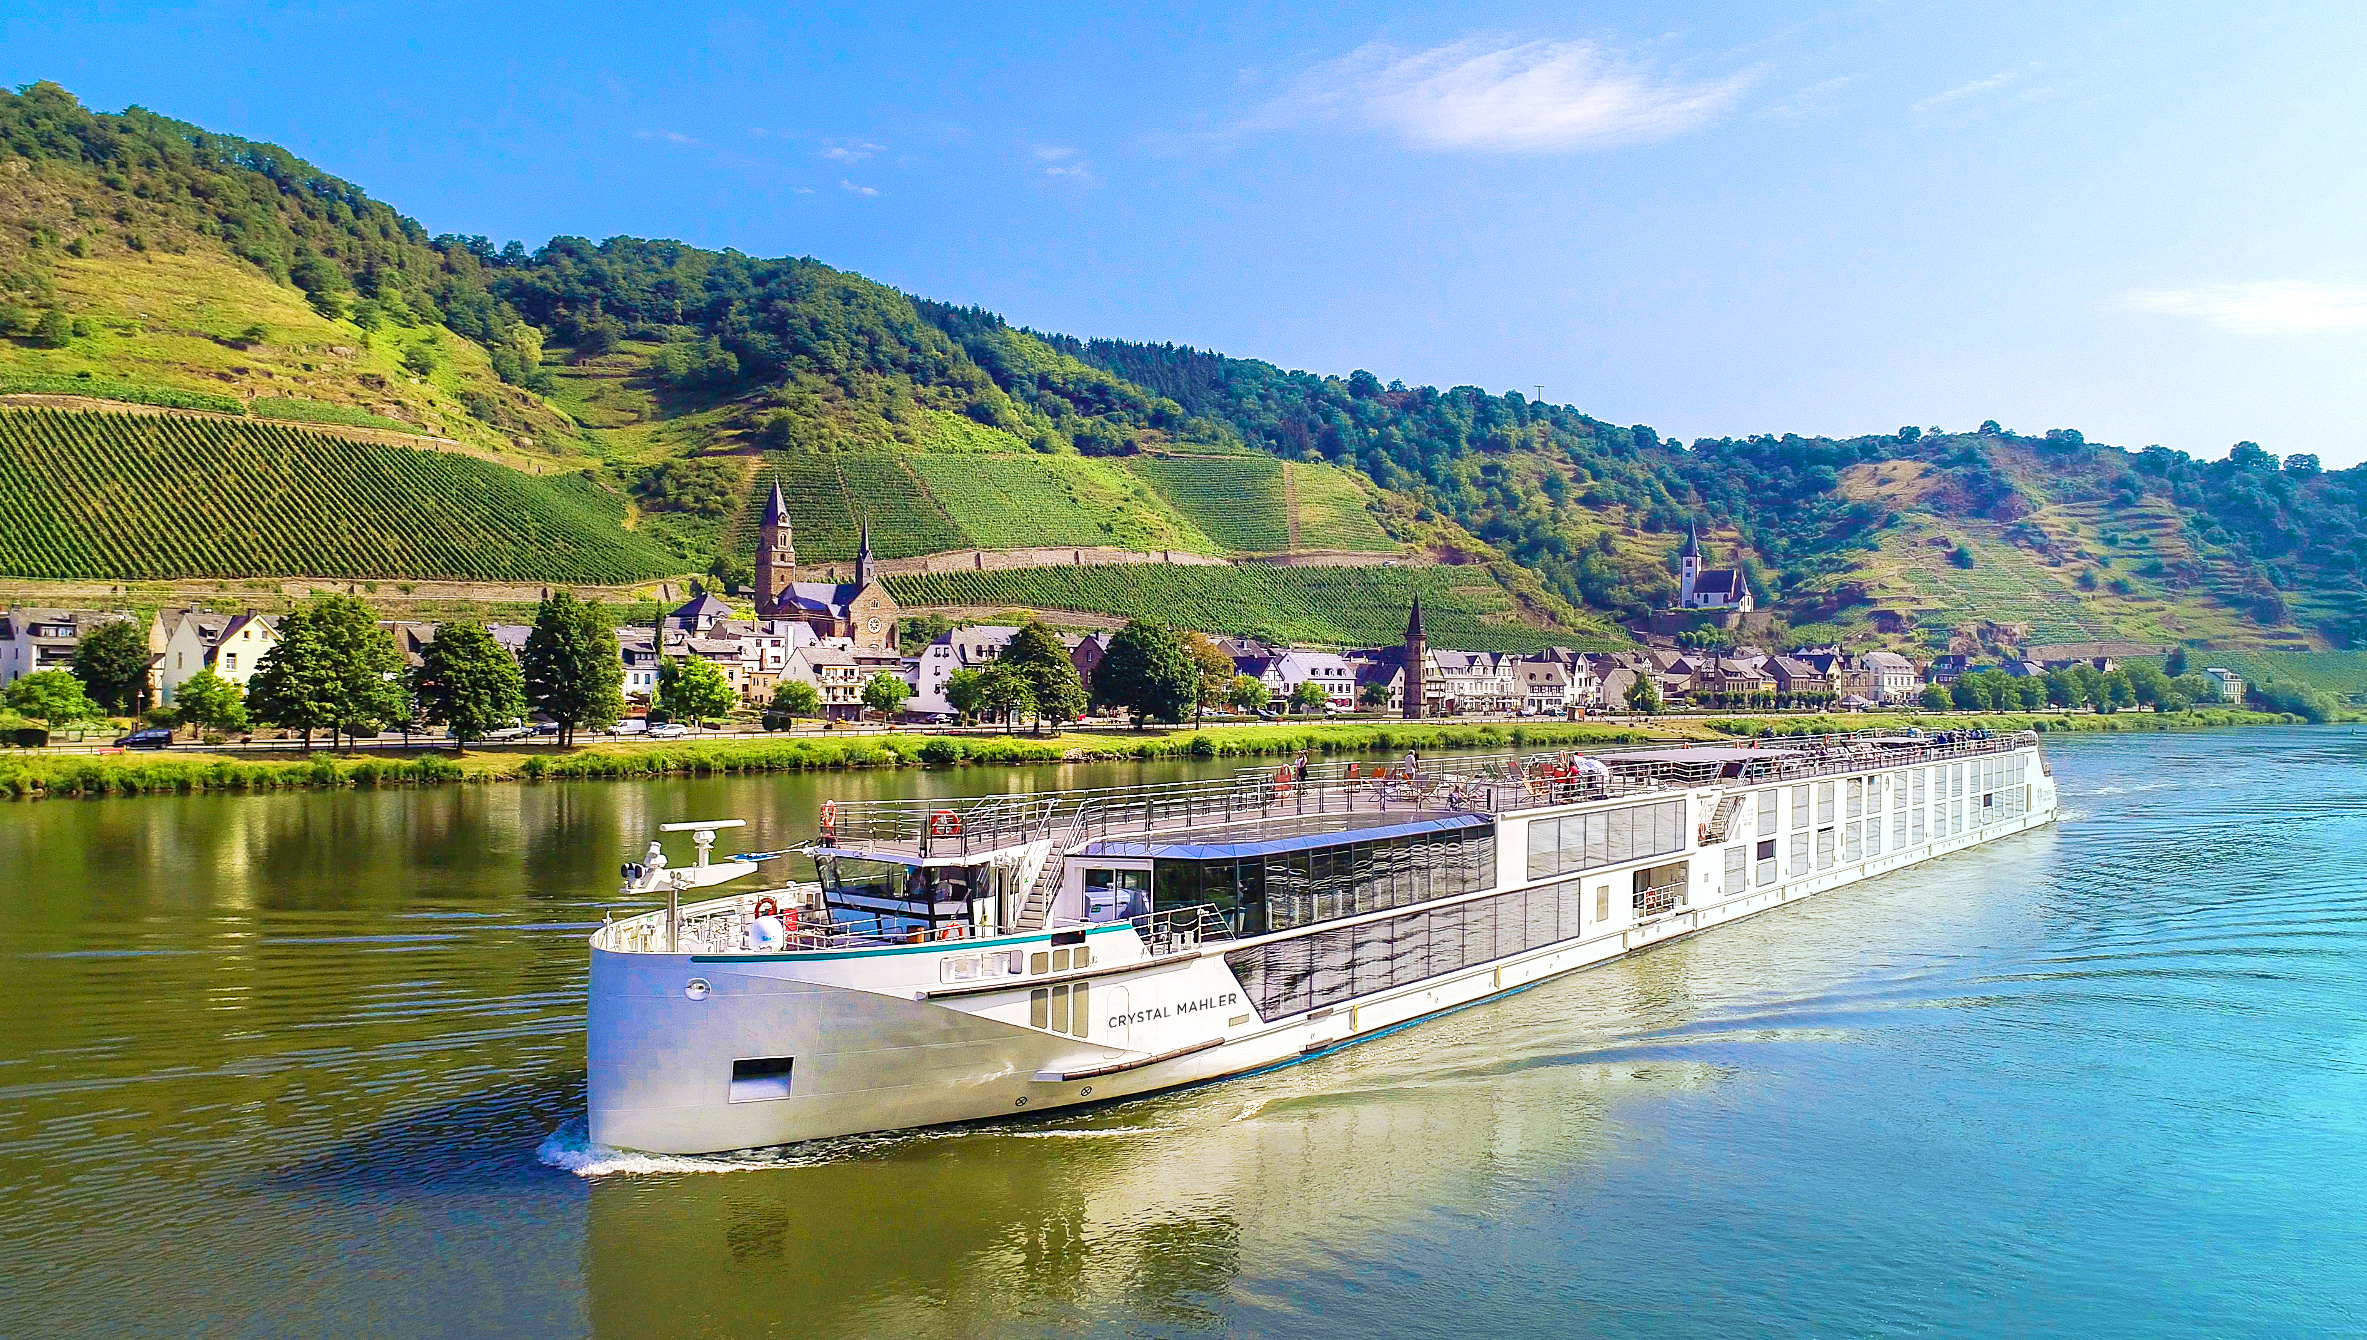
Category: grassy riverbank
<point>33,775</point>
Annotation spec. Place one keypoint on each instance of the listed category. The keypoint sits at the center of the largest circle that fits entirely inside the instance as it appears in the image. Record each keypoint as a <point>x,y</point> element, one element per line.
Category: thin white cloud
<point>1972,90</point>
<point>1505,97</point>
<point>1060,160</point>
<point>2272,307</point>
<point>865,191</point>
<point>664,136</point>
<point>1821,99</point>
<point>850,151</point>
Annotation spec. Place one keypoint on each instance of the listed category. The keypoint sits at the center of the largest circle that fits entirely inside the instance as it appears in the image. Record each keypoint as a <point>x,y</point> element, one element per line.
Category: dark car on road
<point>155,737</point>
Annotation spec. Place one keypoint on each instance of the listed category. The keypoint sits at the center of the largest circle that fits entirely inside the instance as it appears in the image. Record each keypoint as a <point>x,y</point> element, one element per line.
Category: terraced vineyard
<point>1237,500</point>
<point>1332,514</point>
<point>1014,502</point>
<point>88,494</point>
<point>1462,608</point>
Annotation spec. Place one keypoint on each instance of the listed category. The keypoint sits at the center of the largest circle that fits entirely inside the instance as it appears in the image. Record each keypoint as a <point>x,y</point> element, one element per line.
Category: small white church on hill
<point>1709,589</point>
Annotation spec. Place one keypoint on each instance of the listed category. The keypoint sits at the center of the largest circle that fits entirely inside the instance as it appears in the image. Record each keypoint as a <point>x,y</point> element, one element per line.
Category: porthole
<point>695,989</point>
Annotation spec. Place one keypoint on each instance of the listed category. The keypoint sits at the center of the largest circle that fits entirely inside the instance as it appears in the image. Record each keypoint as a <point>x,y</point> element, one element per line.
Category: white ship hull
<point>894,1037</point>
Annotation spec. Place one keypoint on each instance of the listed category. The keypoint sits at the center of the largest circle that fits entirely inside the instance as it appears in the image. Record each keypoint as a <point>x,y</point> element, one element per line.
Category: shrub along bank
<point>32,775</point>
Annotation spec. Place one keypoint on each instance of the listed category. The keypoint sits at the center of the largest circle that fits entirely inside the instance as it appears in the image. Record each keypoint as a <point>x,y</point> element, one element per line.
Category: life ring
<point>1703,831</point>
<point>1351,772</point>
<point>949,932</point>
<point>945,823</point>
<point>829,815</point>
<point>766,907</point>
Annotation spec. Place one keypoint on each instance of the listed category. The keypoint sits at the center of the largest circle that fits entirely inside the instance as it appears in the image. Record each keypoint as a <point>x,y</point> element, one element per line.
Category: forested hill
<point>660,370</point>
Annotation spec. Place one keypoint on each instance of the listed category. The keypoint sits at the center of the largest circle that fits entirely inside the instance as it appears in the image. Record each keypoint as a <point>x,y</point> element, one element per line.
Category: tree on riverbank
<point>52,697</point>
<point>466,680</point>
<point>206,701</point>
<point>111,660</point>
<point>1148,673</point>
<point>333,669</point>
<point>573,672</point>
<point>693,690</point>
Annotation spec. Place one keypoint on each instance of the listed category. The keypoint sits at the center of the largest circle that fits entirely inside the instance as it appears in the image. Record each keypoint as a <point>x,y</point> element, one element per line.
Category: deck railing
<point>1268,795</point>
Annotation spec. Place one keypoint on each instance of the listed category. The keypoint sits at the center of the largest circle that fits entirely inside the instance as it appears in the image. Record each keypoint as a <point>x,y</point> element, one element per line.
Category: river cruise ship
<point>956,960</point>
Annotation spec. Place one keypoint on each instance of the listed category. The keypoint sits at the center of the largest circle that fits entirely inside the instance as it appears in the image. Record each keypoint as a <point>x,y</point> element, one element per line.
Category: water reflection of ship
<point>1147,1210</point>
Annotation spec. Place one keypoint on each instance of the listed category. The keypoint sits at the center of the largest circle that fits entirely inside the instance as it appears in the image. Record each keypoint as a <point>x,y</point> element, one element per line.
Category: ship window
<point>1898,790</point>
<point>1038,962</point>
<point>1799,807</point>
<point>1060,960</point>
<point>1956,817</point>
<point>1800,852</point>
<point>758,1078</point>
<point>1852,844</point>
<point>1917,833</point>
<point>1874,835</point>
<point>1956,780</point>
<point>1824,802</point>
<point>1080,1008</point>
<point>1824,848</point>
<point>1770,807</point>
<point>1919,786</point>
<point>1856,798</point>
<point>1060,1009</point>
<point>1039,1008</point>
<point>1602,903</point>
<point>1738,869</point>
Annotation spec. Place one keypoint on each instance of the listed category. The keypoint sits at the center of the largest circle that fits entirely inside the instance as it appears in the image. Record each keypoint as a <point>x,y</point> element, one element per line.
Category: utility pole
<point>1540,393</point>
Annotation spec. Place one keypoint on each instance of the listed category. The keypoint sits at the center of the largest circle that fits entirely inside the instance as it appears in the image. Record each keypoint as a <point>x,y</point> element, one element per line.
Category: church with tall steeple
<point>860,610</point>
<point>1709,589</point>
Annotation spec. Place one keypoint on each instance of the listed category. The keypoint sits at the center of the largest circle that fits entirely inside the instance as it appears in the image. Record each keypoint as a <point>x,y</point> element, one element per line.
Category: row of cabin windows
<point>1578,842</point>
<point>1061,1009</point>
<point>1326,968</point>
<point>1820,849</point>
<point>1256,894</point>
<point>1813,804</point>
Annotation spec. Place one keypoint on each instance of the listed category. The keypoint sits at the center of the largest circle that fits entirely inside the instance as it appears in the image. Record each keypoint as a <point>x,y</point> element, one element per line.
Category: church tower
<point>776,555</point>
<point>1417,650</point>
<point>863,559</point>
<point>1688,568</point>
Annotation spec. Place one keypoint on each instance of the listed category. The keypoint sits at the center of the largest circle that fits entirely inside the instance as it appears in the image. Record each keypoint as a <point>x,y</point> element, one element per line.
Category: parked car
<point>546,728</point>
<point>153,737</point>
<point>629,726</point>
<point>667,730</point>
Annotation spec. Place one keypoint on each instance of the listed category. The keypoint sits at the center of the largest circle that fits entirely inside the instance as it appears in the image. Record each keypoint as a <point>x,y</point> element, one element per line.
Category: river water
<point>313,1064</point>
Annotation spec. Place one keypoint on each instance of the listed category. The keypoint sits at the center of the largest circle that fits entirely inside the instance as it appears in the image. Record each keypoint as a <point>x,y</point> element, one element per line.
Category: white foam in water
<point>570,1148</point>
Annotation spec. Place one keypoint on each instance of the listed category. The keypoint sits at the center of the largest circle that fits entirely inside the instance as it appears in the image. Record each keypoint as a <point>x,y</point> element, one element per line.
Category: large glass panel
<point>1855,798</point>
<point>1622,845</point>
<point>1598,839</point>
<point>1738,870</point>
<point>1671,828</point>
<point>1545,849</point>
<point>1852,844</point>
<point>1824,848</point>
<point>1824,802</point>
<point>1770,806</point>
<point>1800,806</point>
<point>1799,861</point>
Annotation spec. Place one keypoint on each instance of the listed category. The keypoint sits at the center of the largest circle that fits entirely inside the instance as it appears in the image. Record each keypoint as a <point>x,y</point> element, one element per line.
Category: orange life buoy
<point>1703,830</point>
<point>829,815</point>
<point>789,920</point>
<point>945,823</point>
<point>1351,772</point>
<point>950,932</point>
<point>766,907</point>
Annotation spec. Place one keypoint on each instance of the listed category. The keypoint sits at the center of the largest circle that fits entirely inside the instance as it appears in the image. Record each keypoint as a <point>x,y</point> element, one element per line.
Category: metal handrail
<point>1483,784</point>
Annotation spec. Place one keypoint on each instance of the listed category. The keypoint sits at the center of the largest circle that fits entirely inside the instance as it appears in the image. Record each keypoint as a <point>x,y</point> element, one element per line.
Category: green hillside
<point>125,496</point>
<point>150,260</point>
<point>1461,607</point>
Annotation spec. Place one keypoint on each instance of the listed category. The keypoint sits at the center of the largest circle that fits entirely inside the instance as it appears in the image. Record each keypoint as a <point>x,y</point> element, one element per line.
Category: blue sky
<point>2139,221</point>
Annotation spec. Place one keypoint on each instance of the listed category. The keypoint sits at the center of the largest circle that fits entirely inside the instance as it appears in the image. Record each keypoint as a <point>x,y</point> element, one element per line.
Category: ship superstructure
<point>959,960</point>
